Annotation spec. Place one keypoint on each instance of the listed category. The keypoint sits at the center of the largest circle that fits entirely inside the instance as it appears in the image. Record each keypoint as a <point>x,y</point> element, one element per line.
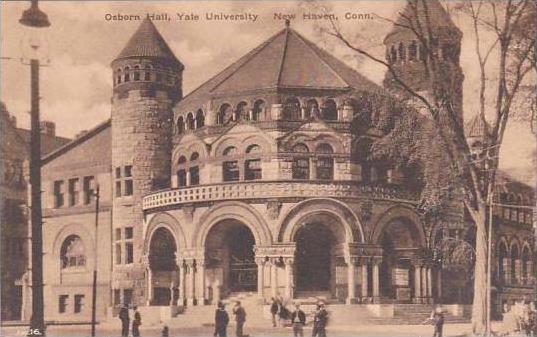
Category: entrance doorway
<point>163,267</point>
<point>314,244</point>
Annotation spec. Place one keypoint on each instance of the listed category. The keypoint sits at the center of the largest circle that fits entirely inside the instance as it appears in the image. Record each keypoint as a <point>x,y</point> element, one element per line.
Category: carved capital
<point>273,209</point>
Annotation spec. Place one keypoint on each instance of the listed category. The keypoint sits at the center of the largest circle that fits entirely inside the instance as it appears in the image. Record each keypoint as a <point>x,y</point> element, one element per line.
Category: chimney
<point>81,133</point>
<point>13,121</point>
<point>48,128</point>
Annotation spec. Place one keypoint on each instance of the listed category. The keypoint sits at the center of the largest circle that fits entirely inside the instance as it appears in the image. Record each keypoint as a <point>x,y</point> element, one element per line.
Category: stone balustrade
<point>274,189</point>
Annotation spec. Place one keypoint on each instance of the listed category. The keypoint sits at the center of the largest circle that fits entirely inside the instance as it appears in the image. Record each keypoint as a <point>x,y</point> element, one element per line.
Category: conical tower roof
<point>147,42</point>
<point>475,128</point>
<point>417,13</point>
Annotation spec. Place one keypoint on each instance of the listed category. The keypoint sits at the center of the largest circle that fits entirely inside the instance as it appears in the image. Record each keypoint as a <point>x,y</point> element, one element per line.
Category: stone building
<point>14,153</point>
<point>258,181</point>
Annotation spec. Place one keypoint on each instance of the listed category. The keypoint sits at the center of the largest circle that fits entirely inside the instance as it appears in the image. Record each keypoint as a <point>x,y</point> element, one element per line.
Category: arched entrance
<point>164,282</point>
<point>314,245</point>
<point>400,244</point>
<point>231,258</point>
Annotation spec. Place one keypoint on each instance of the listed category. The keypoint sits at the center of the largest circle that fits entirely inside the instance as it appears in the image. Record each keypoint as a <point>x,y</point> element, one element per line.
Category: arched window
<point>180,125</point>
<point>526,266</point>
<point>515,264</point>
<point>503,269</point>
<point>312,108</point>
<point>72,253</point>
<point>361,155</point>
<point>147,74</point>
<point>291,109</point>
<point>136,73</point>
<point>190,122</point>
<point>402,52</point>
<point>413,51</point>
<point>118,76</point>
<point>200,118</point>
<point>252,166</point>
<point>393,54</point>
<point>181,172</point>
<point>194,169</point>
<point>127,74</point>
<point>230,167</point>
<point>259,108</point>
<point>329,110</point>
<point>301,162</point>
<point>224,114</point>
<point>241,112</point>
<point>325,162</point>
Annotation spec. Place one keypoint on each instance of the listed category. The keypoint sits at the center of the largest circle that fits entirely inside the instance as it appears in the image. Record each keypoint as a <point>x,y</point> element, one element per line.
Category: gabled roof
<point>475,127</point>
<point>286,60</point>
<point>420,11</point>
<point>49,143</point>
<point>147,42</point>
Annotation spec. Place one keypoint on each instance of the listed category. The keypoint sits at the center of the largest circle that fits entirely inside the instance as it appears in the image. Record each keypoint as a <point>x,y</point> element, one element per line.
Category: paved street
<point>366,330</point>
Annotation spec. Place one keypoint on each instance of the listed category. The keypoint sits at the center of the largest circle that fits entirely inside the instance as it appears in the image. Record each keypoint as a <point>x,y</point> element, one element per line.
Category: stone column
<point>313,168</point>
<point>364,280</point>
<point>260,277</point>
<point>423,282</point>
<point>376,280</point>
<point>191,294</point>
<point>429,283</point>
<point>149,280</point>
<point>273,278</point>
<point>187,177</point>
<point>417,284</point>
<point>182,289</point>
<point>351,282</point>
<point>439,284</point>
<point>289,287</point>
<point>276,112</point>
<point>200,278</point>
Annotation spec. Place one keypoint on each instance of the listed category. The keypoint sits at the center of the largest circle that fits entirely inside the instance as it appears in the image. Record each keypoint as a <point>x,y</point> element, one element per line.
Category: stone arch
<point>83,234</point>
<point>232,210</point>
<point>224,143</point>
<point>190,144</point>
<point>515,243</point>
<point>169,222</point>
<point>399,212</point>
<point>331,207</point>
<point>502,241</point>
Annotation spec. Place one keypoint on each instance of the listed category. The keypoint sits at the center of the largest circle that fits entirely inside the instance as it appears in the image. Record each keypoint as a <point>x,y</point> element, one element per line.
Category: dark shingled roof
<point>286,60</point>
<point>420,9</point>
<point>147,42</point>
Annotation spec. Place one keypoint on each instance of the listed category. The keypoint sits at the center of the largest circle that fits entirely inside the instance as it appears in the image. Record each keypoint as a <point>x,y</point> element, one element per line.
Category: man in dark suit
<point>240,318</point>
<point>298,319</point>
<point>319,321</point>
<point>221,320</point>
<point>124,317</point>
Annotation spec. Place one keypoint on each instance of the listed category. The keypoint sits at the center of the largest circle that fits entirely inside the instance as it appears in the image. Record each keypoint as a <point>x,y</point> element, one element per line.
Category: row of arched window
<point>192,122</point>
<point>293,110</point>
<point>146,73</point>
<point>227,113</point>
<point>514,266</point>
<point>416,51</point>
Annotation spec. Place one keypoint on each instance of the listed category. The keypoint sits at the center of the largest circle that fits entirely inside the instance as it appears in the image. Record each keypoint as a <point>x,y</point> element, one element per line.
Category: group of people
<point>298,318</point>
<point>221,320</point>
<point>519,316</point>
<point>125,321</point>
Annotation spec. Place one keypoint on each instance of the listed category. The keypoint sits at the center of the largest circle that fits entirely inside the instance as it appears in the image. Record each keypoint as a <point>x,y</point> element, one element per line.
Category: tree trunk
<point>479,308</point>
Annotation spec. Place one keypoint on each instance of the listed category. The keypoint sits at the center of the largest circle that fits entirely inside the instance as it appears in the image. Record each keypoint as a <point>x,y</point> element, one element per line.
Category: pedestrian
<point>240,318</point>
<point>274,308</point>
<point>319,321</point>
<point>298,320</point>
<point>165,331</point>
<point>124,317</point>
<point>136,323</point>
<point>221,320</point>
<point>437,319</point>
<point>283,313</point>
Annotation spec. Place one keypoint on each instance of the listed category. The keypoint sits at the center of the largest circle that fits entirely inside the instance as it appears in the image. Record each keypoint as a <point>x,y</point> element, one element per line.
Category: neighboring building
<point>257,181</point>
<point>14,255</point>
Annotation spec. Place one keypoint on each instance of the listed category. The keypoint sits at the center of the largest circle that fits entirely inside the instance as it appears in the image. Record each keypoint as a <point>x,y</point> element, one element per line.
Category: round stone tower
<point>147,84</point>
<point>407,50</point>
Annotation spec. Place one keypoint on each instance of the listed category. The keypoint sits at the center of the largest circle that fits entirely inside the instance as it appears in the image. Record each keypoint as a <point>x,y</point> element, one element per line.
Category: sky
<point>76,85</point>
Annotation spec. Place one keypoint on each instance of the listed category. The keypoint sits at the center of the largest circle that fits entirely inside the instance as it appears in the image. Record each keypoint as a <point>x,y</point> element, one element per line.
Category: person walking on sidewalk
<point>274,308</point>
<point>125,320</point>
<point>298,320</point>
<point>319,321</point>
<point>136,323</point>
<point>437,319</point>
<point>221,320</point>
<point>240,318</point>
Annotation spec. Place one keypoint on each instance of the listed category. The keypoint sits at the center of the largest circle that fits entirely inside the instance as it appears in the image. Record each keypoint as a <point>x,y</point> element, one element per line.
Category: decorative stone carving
<point>273,209</point>
<point>366,210</point>
<point>188,211</point>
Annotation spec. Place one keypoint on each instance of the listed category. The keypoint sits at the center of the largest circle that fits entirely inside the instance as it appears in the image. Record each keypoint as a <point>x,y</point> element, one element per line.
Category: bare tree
<point>512,23</point>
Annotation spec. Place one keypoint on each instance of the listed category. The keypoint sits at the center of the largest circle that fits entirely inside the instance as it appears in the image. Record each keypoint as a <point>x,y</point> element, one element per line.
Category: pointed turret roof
<point>475,128</point>
<point>286,60</point>
<point>420,12</point>
<point>147,42</point>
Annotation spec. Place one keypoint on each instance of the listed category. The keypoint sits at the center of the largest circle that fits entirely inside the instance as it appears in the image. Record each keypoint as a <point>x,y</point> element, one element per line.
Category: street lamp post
<point>34,19</point>
<point>94,285</point>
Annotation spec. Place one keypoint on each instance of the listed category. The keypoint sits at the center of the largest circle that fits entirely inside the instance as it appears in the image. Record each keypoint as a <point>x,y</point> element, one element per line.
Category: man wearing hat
<point>221,320</point>
<point>319,321</point>
<point>298,319</point>
<point>124,317</point>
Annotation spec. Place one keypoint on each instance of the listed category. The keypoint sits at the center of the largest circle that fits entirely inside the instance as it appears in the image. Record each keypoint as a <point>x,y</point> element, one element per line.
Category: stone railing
<point>274,189</point>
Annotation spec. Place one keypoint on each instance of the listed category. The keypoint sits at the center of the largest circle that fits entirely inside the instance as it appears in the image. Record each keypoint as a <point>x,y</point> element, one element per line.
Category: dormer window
<point>413,51</point>
<point>136,73</point>
<point>127,74</point>
<point>329,110</point>
<point>147,74</point>
<point>402,52</point>
<point>259,108</point>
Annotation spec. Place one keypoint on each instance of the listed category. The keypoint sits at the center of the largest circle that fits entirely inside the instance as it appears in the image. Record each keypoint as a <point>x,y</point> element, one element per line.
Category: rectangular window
<point>128,186</point>
<point>62,303</point>
<point>58,194</point>
<point>128,171</point>
<point>129,251</point>
<point>79,303</point>
<point>253,170</point>
<point>231,171</point>
<point>117,296</point>
<point>118,172</point>
<point>88,189</point>
<point>181,178</point>
<point>73,192</point>
<point>194,176</point>
<point>127,296</point>
<point>128,233</point>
